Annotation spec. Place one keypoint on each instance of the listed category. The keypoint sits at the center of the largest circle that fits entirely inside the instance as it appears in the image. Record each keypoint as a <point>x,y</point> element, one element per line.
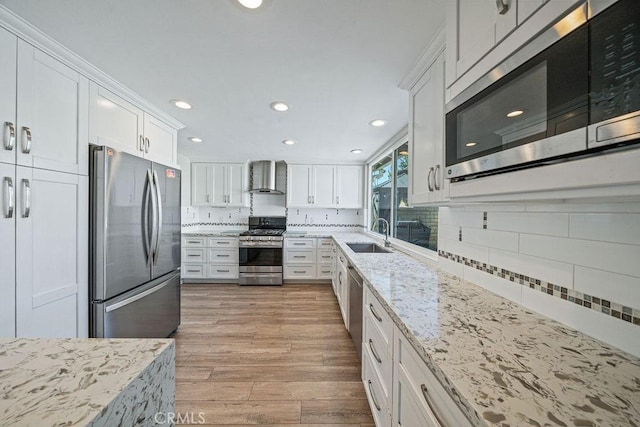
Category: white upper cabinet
<point>349,187</point>
<point>324,186</point>
<point>8,49</point>
<point>426,137</point>
<point>52,103</point>
<point>219,184</point>
<point>120,124</point>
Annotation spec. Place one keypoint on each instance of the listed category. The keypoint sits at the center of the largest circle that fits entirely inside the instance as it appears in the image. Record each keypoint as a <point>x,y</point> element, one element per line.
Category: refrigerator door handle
<point>145,218</point>
<point>136,297</point>
<point>158,227</point>
<point>154,218</point>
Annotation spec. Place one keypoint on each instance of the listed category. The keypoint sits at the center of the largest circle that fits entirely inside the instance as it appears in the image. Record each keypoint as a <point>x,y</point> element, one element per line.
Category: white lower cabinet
<point>343,286</point>
<point>210,258</point>
<point>308,258</point>
<point>419,400</point>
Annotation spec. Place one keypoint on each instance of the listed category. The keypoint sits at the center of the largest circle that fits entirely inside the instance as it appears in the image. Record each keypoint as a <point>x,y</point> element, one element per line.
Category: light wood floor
<point>267,355</point>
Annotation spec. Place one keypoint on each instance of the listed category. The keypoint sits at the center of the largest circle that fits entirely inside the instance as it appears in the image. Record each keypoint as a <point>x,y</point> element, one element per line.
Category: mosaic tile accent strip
<point>216,224</point>
<point>327,225</point>
<point>600,305</point>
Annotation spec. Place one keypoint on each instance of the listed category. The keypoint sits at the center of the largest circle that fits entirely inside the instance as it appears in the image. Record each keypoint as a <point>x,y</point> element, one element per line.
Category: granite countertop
<point>310,234</point>
<point>233,233</point>
<point>501,363</point>
<point>82,381</point>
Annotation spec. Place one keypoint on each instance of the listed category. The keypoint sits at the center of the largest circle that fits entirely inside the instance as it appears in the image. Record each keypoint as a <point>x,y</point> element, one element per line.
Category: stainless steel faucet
<point>387,243</point>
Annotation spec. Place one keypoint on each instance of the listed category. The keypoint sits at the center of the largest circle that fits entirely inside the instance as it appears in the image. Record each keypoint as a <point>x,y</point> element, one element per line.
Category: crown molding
<point>424,60</point>
<point>32,35</point>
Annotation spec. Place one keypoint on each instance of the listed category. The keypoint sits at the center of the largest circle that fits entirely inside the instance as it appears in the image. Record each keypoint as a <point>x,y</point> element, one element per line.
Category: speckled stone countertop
<point>501,363</point>
<point>234,233</point>
<point>78,382</point>
<point>317,234</point>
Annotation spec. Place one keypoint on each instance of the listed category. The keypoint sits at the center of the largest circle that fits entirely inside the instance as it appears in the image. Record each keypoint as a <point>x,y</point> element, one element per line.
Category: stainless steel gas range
<point>261,251</point>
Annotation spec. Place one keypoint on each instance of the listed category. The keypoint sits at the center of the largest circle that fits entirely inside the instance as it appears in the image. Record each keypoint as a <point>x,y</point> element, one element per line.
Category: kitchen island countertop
<point>78,382</point>
<point>501,363</point>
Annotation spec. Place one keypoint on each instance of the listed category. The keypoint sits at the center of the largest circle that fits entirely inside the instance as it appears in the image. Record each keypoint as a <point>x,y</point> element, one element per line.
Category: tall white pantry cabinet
<point>43,169</point>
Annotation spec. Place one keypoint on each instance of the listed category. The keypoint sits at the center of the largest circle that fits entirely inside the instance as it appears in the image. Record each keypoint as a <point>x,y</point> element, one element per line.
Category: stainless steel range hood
<point>269,177</point>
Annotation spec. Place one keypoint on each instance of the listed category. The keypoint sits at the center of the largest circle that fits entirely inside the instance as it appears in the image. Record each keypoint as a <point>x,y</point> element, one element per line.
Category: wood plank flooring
<point>272,356</point>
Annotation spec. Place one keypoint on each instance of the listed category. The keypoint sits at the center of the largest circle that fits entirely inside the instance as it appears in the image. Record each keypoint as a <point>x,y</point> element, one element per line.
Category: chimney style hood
<point>269,177</point>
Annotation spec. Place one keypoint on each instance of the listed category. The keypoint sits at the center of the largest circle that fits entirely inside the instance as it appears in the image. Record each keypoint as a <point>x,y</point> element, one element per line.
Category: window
<point>390,200</point>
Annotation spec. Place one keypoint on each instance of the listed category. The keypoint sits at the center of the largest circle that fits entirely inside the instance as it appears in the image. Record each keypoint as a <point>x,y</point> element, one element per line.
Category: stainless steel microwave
<point>572,91</point>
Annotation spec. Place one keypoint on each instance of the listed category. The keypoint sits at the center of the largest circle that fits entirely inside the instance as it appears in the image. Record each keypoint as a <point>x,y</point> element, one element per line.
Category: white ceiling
<point>336,62</point>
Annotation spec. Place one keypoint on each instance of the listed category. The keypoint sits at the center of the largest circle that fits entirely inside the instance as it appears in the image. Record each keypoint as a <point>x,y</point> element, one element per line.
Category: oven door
<point>260,265</point>
<point>537,111</point>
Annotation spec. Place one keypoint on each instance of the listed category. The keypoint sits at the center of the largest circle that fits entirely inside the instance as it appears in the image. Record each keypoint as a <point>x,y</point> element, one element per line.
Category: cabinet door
<point>51,252</point>
<point>479,27</point>
<point>8,48</point>
<point>349,187</point>
<point>218,184</point>
<point>324,187</point>
<point>200,184</point>
<point>52,113</point>
<point>114,122</point>
<point>7,250</point>
<point>236,184</point>
<point>161,141</point>
<point>298,186</point>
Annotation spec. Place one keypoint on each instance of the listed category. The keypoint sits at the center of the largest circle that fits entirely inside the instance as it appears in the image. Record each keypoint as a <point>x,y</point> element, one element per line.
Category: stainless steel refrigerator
<point>134,246</point>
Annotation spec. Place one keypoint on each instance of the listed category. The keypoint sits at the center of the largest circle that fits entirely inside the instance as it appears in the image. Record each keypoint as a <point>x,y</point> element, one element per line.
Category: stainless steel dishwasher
<point>355,309</point>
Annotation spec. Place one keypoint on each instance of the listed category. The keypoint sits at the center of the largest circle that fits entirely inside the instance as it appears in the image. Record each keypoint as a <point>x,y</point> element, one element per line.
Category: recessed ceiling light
<point>251,4</point>
<point>279,106</point>
<point>471,144</point>
<point>356,150</point>
<point>377,123</point>
<point>288,142</point>
<point>181,104</point>
<point>515,113</point>
<point>195,139</point>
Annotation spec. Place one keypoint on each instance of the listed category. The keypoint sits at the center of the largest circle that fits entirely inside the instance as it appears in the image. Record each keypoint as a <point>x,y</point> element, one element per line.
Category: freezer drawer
<point>151,311</point>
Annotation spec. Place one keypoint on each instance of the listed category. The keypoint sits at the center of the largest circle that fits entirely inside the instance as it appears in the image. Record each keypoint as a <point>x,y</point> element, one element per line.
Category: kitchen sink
<point>368,248</point>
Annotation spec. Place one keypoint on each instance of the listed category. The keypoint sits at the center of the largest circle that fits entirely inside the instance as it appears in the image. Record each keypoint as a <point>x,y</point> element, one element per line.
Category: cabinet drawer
<point>303,272</point>
<point>300,256</point>
<point>222,271</point>
<point>194,242</point>
<point>194,255</point>
<point>324,271</point>
<point>193,271</point>
<point>379,350</point>
<point>376,395</point>
<point>300,243</point>
<point>324,256</point>
<point>223,256</point>
<point>419,393</point>
<point>222,242</point>
<point>374,311</point>
<point>325,243</point>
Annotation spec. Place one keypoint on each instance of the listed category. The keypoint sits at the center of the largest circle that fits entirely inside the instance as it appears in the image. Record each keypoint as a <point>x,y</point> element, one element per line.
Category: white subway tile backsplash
<point>495,207</point>
<point>606,227</point>
<point>551,224</point>
<point>614,287</point>
<point>452,267</point>
<point>560,273</point>
<point>468,250</point>
<point>618,333</point>
<point>492,239</point>
<point>461,217</point>
<point>612,257</point>
<point>497,285</point>
<point>585,207</point>
<point>448,231</point>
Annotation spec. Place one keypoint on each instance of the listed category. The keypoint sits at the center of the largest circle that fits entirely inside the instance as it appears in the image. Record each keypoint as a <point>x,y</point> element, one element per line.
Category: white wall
<point>185,166</point>
<point>576,263</point>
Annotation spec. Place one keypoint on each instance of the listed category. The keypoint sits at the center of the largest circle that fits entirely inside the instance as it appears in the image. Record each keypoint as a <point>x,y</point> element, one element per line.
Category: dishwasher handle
<point>353,274</point>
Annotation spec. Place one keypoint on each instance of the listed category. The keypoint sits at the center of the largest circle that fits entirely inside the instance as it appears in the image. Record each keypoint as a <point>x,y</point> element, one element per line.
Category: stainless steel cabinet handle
<point>191,241</point>
<point>223,256</point>
<point>26,141</point>
<point>503,6</point>
<point>299,244</point>
<point>9,136</point>
<point>299,256</point>
<point>26,198</point>
<point>192,255</point>
<point>147,145</point>
<point>222,271</point>
<point>373,397</point>
<point>9,195</point>
<point>425,393</point>
<point>436,178</point>
<point>313,200</point>
<point>141,144</point>
<point>373,350</point>
<point>326,256</point>
<point>299,272</point>
<point>309,200</point>
<point>156,184</point>
<point>378,318</point>
<point>193,271</point>
<point>429,179</point>
<point>340,277</point>
<point>326,272</point>
<point>223,243</point>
